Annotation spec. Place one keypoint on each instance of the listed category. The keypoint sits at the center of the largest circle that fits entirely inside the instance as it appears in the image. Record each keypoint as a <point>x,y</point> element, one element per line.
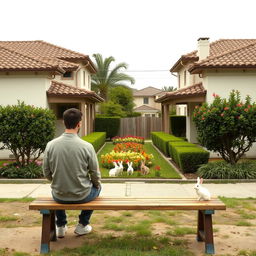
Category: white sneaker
<point>82,230</point>
<point>61,231</point>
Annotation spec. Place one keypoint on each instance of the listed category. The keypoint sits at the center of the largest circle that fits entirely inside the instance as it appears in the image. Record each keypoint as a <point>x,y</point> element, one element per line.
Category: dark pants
<point>84,217</point>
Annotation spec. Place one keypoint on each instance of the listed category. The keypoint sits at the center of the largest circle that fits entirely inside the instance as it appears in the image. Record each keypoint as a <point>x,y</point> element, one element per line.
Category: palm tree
<point>105,78</point>
<point>169,89</point>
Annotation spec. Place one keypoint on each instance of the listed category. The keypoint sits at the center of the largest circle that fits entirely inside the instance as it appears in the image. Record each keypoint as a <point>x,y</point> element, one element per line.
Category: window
<point>84,78</point>
<point>147,115</point>
<point>68,74</point>
<point>153,115</point>
<point>185,78</point>
<point>145,100</point>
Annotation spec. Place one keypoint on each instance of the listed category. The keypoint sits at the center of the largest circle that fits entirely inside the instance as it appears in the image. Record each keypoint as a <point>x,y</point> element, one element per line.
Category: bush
<point>173,144</point>
<point>224,170</point>
<point>227,126</point>
<point>178,125</point>
<point>134,114</point>
<point>97,139</point>
<point>190,158</point>
<point>31,171</point>
<point>25,131</point>
<point>110,125</point>
<point>161,140</point>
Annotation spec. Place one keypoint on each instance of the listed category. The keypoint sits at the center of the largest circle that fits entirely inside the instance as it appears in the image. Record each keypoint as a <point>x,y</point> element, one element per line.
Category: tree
<point>111,109</point>
<point>227,126</point>
<point>105,78</point>
<point>168,89</point>
<point>123,96</point>
<point>25,131</point>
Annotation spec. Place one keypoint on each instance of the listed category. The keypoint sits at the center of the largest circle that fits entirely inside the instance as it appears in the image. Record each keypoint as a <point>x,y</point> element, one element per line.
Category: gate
<point>140,126</point>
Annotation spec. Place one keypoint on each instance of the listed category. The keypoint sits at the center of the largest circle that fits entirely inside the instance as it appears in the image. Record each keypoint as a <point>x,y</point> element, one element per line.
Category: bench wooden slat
<point>124,203</point>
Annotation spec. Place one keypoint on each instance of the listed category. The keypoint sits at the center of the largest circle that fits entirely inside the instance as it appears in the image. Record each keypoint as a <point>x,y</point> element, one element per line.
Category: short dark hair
<point>72,117</point>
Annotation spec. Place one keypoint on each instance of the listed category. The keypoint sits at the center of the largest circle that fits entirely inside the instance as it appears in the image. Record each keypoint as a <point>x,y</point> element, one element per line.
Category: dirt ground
<point>22,232</point>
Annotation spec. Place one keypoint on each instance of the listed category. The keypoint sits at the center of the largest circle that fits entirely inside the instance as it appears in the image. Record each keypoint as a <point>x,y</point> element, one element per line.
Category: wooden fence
<point>140,126</point>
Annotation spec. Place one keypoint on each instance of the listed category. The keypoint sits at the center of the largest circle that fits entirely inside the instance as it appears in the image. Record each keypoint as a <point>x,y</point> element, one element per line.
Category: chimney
<point>203,48</point>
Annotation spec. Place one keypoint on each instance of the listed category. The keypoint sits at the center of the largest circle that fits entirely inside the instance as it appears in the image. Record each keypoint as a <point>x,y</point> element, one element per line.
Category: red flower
<point>226,108</point>
<point>246,109</point>
<point>222,114</point>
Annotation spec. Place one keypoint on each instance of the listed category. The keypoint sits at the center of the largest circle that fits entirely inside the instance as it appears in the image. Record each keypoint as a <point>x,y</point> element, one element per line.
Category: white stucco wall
<point>190,78</point>
<point>223,83</point>
<point>30,89</point>
<point>77,75</point>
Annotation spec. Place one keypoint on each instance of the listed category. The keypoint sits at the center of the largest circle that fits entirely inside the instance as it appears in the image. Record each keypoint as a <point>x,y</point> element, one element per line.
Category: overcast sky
<point>148,35</point>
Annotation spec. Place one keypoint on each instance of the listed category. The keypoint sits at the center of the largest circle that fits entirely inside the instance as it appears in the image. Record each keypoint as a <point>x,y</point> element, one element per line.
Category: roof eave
<point>182,60</point>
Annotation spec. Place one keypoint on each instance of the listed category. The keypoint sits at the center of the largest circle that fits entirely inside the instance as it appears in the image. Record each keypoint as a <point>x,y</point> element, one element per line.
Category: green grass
<point>243,223</point>
<point>127,246</point>
<point>247,253</point>
<point>7,218</point>
<point>166,169</point>
<point>22,200</point>
<point>142,228</point>
<point>181,231</point>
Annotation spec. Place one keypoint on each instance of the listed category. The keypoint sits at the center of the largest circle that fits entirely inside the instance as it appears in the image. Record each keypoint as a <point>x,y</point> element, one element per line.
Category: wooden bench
<point>47,207</point>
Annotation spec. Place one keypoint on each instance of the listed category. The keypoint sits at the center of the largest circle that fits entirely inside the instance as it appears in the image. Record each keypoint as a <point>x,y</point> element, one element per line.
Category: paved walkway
<point>136,189</point>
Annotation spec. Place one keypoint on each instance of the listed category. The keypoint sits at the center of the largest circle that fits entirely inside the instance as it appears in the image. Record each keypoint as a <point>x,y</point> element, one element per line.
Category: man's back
<point>72,164</point>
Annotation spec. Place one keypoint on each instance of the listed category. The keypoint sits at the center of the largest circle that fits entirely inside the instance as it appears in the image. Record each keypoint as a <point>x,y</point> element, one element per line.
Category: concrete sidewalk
<point>136,189</point>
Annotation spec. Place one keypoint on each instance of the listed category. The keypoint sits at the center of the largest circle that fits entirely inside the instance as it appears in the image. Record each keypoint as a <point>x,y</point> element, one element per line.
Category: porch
<point>61,97</point>
<point>190,96</point>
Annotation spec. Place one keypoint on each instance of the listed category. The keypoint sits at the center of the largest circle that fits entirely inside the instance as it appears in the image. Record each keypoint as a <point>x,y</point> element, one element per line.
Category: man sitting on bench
<point>71,165</point>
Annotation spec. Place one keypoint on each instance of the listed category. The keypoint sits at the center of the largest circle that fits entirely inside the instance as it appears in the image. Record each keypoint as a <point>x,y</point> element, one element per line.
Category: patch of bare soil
<point>24,232</point>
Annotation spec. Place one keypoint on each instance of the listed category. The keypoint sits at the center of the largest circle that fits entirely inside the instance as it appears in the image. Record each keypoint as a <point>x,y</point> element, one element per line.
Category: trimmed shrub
<point>134,114</point>
<point>110,125</point>
<point>178,125</point>
<point>97,139</point>
<point>190,158</point>
<point>161,140</point>
<point>173,144</point>
<point>25,131</point>
<point>224,170</point>
<point>31,171</point>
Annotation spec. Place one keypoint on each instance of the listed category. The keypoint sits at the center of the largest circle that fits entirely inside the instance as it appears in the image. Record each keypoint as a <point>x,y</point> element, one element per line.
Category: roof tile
<point>193,90</point>
<point>61,89</point>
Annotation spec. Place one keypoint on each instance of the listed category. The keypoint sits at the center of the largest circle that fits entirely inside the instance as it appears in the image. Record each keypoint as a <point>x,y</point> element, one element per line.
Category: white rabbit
<point>203,193</point>
<point>143,168</point>
<point>121,168</point>
<point>129,169</point>
<point>114,171</point>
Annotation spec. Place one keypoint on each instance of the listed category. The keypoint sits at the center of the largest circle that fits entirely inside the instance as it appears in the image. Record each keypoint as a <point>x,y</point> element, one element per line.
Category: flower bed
<point>129,146</point>
<point>135,139</point>
<point>129,156</point>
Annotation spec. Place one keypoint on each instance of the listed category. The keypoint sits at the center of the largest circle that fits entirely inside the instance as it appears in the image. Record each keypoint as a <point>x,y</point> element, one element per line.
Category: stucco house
<point>144,100</point>
<point>216,67</point>
<point>48,76</point>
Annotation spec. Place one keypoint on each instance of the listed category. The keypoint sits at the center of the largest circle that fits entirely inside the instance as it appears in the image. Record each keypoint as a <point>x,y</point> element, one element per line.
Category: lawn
<point>166,170</point>
<point>134,233</point>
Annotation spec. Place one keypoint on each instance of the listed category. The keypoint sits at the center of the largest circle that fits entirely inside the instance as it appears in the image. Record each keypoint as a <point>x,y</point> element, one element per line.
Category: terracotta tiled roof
<point>145,107</point>
<point>61,89</point>
<point>148,91</point>
<point>54,57</point>
<point>231,51</point>
<point>190,91</point>
<point>11,60</point>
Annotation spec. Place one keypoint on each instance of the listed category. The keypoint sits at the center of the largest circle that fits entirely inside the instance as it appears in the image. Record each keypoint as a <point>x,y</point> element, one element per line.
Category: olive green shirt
<point>72,166</point>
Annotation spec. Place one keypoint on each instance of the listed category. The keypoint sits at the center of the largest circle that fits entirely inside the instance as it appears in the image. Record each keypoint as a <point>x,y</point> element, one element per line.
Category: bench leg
<point>208,230</point>
<point>53,226</point>
<point>48,230</point>
<point>200,226</point>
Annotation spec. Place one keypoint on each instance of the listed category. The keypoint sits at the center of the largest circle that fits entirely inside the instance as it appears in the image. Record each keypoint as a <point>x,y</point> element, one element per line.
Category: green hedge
<point>161,140</point>
<point>173,144</point>
<point>97,139</point>
<point>178,125</point>
<point>190,158</point>
<point>110,125</point>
